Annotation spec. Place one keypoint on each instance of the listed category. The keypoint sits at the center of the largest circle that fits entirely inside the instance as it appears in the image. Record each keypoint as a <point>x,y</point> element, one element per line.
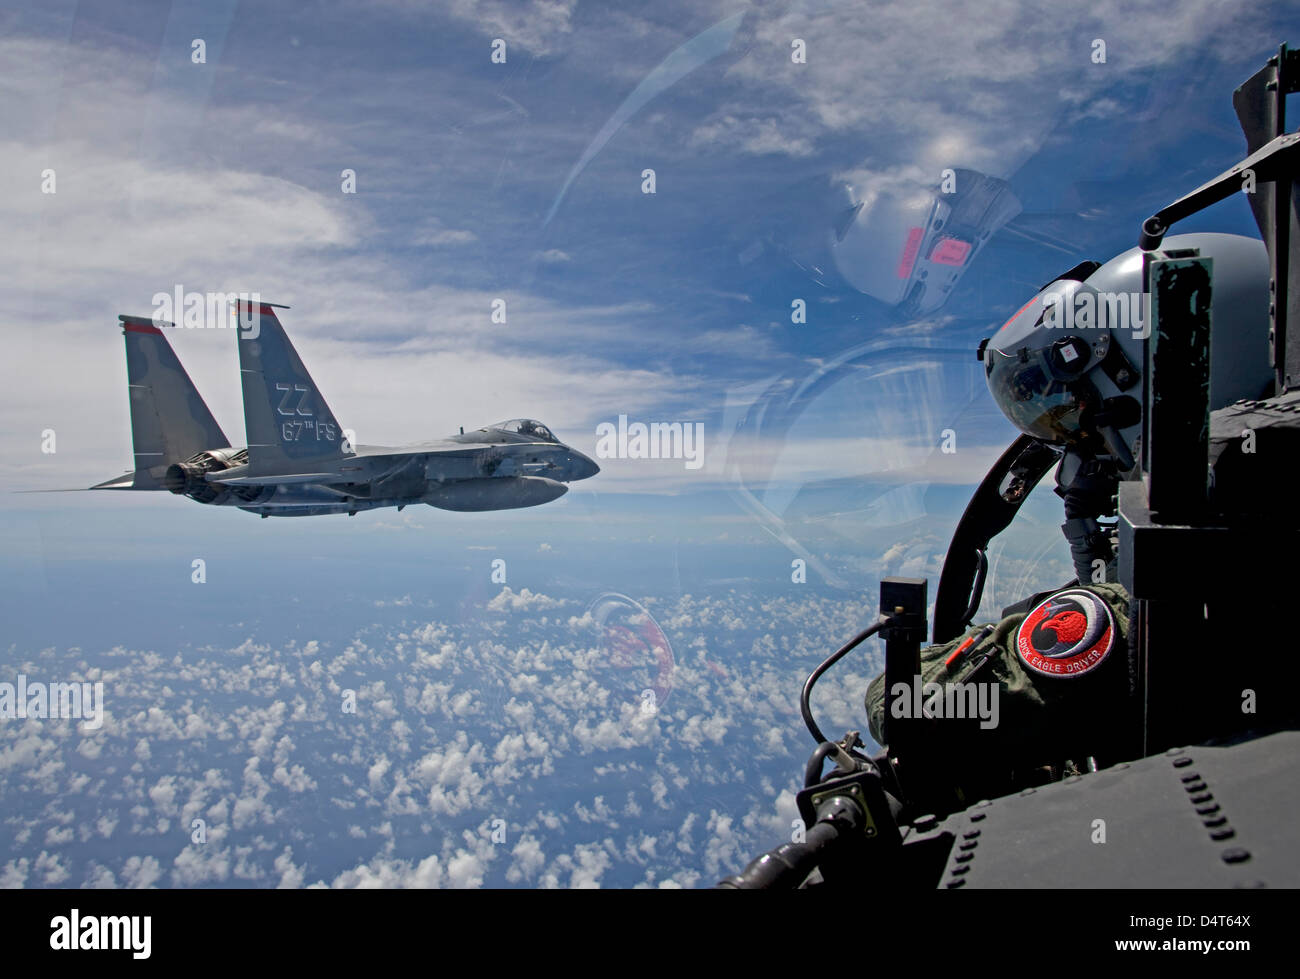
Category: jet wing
<point>436,447</point>
<point>366,464</point>
<point>367,461</point>
<point>278,480</point>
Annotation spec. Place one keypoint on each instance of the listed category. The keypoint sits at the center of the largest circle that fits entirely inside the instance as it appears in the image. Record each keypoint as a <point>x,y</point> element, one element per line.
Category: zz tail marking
<point>288,389</point>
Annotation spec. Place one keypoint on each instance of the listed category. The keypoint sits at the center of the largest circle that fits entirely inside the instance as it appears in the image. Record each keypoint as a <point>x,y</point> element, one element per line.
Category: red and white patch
<point>1069,634</point>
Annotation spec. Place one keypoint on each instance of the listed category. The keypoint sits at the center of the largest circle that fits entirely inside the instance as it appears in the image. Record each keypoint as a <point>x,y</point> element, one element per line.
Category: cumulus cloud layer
<point>512,748</point>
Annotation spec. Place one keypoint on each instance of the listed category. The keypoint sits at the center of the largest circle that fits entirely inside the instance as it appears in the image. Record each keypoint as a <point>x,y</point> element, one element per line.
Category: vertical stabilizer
<point>170,421</point>
<point>285,415</point>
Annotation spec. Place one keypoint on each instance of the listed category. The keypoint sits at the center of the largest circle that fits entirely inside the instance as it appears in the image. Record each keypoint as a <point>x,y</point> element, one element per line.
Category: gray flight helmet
<point>1081,342</point>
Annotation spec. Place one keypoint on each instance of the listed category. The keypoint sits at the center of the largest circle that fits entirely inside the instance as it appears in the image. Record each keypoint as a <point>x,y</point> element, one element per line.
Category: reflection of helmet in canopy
<point>1069,366</point>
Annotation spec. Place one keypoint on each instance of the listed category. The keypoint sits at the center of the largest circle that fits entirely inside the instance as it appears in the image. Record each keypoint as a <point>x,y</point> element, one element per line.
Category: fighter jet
<point>299,461</point>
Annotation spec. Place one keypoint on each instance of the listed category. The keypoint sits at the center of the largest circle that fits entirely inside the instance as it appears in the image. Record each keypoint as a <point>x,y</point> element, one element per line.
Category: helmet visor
<point>1038,404</point>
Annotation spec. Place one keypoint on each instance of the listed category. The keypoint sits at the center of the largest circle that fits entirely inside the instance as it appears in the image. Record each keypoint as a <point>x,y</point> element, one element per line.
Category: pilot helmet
<point>1069,367</point>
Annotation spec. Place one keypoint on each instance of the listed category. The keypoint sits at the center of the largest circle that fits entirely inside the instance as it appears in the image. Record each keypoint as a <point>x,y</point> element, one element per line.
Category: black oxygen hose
<point>834,658</point>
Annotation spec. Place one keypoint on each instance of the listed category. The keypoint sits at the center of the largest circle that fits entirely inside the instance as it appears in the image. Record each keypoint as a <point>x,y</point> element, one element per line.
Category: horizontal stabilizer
<point>126,482</point>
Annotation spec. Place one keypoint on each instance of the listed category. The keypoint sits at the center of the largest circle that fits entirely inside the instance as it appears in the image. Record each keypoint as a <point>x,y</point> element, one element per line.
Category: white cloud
<point>100,877</point>
<point>586,866</point>
<point>445,236</point>
<point>163,795</point>
<point>939,89</point>
<point>528,860</point>
<point>538,26</point>
<point>387,873</point>
<point>291,875</point>
<point>758,137</point>
<point>201,863</point>
<point>14,874</point>
<point>377,772</point>
<point>141,872</point>
<point>465,870</point>
<point>524,600</point>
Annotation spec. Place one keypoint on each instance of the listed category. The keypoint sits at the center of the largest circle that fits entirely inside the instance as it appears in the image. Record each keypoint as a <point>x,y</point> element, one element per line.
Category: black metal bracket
<point>1164,519</point>
<point>1275,161</point>
<point>1176,416</point>
<point>904,601</point>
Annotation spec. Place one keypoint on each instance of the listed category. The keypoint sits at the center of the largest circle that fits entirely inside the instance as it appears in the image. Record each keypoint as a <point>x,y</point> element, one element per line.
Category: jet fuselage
<point>490,469</point>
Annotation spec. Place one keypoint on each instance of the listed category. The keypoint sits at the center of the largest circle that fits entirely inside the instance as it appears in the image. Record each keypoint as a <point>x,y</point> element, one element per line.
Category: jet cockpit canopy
<point>528,428</point>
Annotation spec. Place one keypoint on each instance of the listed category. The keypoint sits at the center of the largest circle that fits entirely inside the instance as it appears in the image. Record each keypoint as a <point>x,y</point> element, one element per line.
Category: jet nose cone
<point>583,467</point>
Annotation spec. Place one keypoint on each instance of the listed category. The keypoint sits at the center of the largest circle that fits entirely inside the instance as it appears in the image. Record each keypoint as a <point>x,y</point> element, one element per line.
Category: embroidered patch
<point>1069,634</point>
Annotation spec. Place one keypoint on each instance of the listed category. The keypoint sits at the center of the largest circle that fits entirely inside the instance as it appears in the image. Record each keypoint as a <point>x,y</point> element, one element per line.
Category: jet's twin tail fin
<point>287,420</point>
<point>169,419</point>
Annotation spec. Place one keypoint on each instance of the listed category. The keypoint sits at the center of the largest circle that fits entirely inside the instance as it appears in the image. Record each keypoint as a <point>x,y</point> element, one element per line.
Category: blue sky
<point>821,438</point>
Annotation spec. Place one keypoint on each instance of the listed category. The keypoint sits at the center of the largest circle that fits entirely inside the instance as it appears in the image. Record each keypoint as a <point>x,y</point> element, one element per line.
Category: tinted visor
<point>1039,405</point>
